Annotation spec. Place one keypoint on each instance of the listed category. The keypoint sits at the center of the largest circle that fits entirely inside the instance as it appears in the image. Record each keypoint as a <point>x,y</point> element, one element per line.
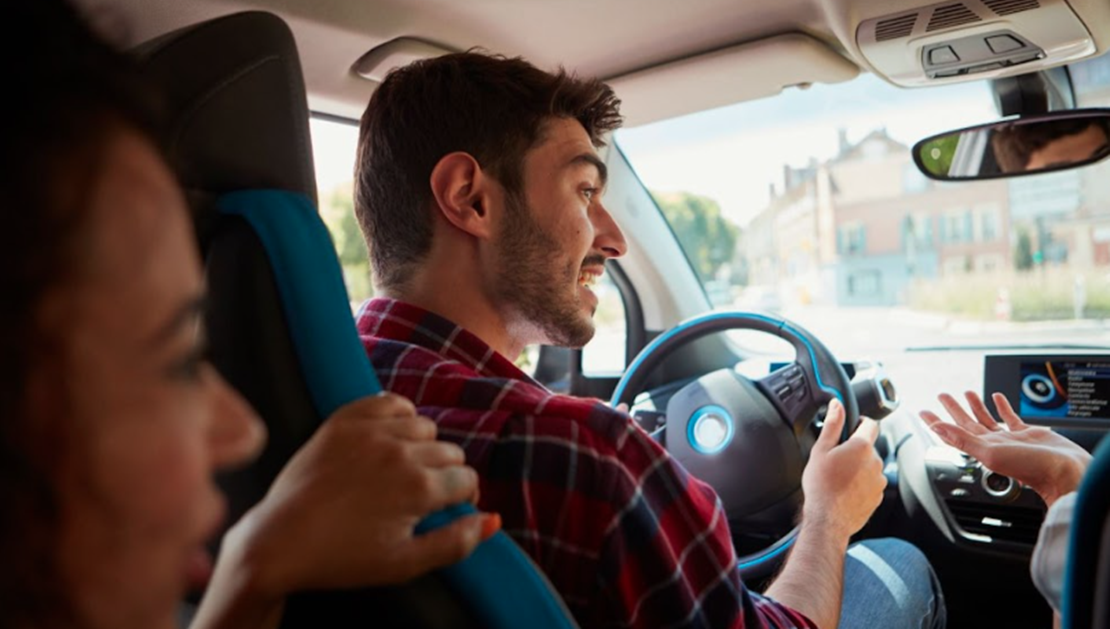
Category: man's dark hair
<point>69,94</point>
<point>1014,144</point>
<point>492,107</point>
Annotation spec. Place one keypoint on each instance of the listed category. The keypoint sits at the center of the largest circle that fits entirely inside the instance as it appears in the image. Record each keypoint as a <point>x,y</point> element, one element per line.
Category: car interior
<point>818,203</point>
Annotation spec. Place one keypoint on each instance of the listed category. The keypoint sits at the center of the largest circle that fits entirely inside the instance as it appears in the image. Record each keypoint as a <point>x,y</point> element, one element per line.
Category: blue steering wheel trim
<point>771,556</point>
<point>730,428</point>
<point>716,316</point>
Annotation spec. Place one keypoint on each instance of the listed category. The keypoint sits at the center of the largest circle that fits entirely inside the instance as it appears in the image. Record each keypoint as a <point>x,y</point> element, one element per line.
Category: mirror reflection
<point>1017,147</point>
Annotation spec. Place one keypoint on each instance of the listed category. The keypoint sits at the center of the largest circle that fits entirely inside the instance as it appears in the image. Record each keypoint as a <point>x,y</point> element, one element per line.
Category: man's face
<point>555,239</point>
<point>1068,149</point>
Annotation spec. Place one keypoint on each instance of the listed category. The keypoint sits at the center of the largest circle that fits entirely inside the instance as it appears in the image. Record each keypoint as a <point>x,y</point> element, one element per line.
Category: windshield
<point>809,205</point>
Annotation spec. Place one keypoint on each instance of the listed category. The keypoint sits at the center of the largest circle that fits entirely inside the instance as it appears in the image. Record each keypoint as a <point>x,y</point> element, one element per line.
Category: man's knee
<point>902,556</point>
<point>895,573</point>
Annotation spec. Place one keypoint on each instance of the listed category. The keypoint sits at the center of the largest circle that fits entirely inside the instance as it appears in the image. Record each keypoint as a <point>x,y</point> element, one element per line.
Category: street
<point>917,349</point>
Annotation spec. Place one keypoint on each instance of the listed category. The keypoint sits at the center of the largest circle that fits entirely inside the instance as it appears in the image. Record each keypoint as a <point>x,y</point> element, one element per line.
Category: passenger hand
<point>843,483</point>
<point>342,512</point>
<point>1048,463</point>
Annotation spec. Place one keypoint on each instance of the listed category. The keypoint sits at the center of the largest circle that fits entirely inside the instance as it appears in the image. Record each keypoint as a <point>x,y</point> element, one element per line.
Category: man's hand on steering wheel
<point>843,483</point>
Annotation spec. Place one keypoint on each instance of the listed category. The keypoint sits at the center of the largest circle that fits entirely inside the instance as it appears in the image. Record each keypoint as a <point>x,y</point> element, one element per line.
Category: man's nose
<point>609,237</point>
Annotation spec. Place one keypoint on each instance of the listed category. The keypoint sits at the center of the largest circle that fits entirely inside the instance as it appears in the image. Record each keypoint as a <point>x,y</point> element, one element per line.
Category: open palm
<point>1050,464</point>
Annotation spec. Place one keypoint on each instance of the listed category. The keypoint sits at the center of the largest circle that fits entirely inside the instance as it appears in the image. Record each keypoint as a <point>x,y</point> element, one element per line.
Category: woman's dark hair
<point>66,94</point>
<point>492,107</point>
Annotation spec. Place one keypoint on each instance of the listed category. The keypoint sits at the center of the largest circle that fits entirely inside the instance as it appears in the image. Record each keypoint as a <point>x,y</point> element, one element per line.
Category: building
<point>859,228</point>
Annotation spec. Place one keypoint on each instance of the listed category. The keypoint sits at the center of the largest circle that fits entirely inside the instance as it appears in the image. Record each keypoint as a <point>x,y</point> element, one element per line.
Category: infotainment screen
<point>1063,389</point>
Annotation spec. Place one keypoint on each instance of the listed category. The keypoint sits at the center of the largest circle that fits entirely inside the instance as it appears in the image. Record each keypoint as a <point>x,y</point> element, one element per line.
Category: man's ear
<point>462,193</point>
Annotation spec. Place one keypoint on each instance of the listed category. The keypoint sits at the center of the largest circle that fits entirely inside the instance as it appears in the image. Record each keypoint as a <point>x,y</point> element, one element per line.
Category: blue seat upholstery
<point>1086,599</point>
<point>279,324</point>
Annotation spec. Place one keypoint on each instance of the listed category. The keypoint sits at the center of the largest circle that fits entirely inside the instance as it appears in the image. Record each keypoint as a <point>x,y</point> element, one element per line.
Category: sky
<point>734,153</point>
<point>333,145</point>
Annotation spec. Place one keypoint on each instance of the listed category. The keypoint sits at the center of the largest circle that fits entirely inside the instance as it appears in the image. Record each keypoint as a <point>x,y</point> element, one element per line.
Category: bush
<point>1043,294</point>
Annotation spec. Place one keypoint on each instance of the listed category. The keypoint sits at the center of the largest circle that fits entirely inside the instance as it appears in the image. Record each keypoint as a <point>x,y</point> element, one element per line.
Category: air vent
<point>1009,7</point>
<point>895,27</point>
<point>1018,525</point>
<point>949,15</point>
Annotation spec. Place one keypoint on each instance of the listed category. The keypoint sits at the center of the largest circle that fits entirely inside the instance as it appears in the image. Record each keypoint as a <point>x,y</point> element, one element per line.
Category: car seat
<point>1086,595</point>
<point>279,323</point>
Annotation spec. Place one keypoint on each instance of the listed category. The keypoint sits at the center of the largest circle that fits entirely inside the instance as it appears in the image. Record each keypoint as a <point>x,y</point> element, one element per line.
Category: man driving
<point>479,189</point>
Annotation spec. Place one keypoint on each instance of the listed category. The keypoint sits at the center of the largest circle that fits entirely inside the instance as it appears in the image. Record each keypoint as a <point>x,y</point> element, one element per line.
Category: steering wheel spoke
<point>792,394</point>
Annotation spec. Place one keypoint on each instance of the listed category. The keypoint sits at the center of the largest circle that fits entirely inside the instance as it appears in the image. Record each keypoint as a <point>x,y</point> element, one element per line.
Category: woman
<point>112,423</point>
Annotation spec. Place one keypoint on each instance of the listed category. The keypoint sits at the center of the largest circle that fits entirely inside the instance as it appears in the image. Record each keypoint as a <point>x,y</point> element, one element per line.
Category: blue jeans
<point>889,583</point>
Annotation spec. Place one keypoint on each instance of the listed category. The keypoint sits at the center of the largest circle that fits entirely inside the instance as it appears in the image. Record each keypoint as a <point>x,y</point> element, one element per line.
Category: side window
<point>334,145</point>
<point>604,355</point>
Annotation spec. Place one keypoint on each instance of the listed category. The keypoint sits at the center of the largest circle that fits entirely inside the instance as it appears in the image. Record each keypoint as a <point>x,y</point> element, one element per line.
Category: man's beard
<point>542,295</point>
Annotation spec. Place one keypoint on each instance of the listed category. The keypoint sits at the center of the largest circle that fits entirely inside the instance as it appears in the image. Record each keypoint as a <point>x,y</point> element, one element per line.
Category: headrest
<point>235,105</point>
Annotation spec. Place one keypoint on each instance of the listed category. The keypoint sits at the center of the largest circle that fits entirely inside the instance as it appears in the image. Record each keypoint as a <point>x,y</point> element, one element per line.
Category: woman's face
<point>146,419</point>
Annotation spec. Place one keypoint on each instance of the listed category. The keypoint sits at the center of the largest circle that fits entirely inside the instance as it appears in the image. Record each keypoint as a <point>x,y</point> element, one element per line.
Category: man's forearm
<point>812,580</point>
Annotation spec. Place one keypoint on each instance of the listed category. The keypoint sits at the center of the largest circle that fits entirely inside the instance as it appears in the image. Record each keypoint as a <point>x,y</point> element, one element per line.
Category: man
<point>479,189</point>
<point>1039,146</point>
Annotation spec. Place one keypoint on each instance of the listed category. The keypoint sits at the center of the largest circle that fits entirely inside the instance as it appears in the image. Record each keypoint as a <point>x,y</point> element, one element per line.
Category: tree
<point>338,212</point>
<point>706,236</point>
<point>937,155</point>
<point>1023,250</point>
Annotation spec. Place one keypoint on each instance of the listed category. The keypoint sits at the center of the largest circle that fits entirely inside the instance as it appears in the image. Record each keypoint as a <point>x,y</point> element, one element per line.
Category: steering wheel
<point>749,439</point>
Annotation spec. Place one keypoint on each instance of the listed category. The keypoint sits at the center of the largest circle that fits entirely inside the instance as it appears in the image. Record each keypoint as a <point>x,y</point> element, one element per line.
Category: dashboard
<point>970,506</point>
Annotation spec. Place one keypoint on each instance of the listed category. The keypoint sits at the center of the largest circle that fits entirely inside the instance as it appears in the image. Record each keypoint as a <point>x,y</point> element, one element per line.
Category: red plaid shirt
<point>625,534</point>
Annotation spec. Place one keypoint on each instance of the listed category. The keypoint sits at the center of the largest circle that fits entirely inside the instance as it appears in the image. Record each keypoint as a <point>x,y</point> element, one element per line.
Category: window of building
<point>988,221</point>
<point>864,283</point>
<point>851,239</point>
<point>956,226</point>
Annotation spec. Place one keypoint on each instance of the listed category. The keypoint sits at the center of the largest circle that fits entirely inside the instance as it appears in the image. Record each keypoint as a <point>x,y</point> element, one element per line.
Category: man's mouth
<point>588,278</point>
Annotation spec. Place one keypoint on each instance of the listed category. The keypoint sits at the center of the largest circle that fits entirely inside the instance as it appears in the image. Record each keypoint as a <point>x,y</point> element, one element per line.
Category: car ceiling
<point>607,38</point>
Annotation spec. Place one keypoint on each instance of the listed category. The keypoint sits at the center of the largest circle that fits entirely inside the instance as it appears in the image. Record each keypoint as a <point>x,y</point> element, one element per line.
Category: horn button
<point>727,433</point>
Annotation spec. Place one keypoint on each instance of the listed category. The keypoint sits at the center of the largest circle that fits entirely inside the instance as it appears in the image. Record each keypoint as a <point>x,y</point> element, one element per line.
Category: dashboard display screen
<point>1065,389</point>
<point>1051,389</point>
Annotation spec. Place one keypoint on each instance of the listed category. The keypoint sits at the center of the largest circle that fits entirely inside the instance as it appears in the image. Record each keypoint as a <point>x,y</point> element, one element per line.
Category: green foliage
<point>966,296</point>
<point>1046,294</point>
<point>937,155</point>
<point>1023,250</point>
<point>706,236</point>
<point>338,211</point>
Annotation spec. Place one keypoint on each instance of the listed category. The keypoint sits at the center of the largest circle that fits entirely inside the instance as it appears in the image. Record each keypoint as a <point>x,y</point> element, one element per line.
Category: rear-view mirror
<point>1021,146</point>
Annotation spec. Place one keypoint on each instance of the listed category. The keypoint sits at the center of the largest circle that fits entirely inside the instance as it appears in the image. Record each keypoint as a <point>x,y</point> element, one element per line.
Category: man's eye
<point>589,193</point>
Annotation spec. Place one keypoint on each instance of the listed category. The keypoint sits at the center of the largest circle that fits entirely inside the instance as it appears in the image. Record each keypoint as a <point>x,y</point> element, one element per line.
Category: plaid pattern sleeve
<point>625,534</point>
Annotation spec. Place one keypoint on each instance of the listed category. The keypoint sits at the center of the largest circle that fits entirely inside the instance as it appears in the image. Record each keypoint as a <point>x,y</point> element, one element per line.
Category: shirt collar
<point>400,321</point>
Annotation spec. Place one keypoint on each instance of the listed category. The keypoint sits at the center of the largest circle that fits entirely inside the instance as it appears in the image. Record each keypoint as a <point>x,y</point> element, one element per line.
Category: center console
<point>981,506</point>
<point>975,506</point>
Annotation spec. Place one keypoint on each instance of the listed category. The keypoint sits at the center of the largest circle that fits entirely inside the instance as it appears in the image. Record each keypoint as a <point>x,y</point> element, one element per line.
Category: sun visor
<point>726,76</point>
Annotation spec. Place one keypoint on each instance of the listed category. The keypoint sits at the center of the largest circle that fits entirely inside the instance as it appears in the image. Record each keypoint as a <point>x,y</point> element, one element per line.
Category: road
<point>923,353</point>
<point>918,349</point>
